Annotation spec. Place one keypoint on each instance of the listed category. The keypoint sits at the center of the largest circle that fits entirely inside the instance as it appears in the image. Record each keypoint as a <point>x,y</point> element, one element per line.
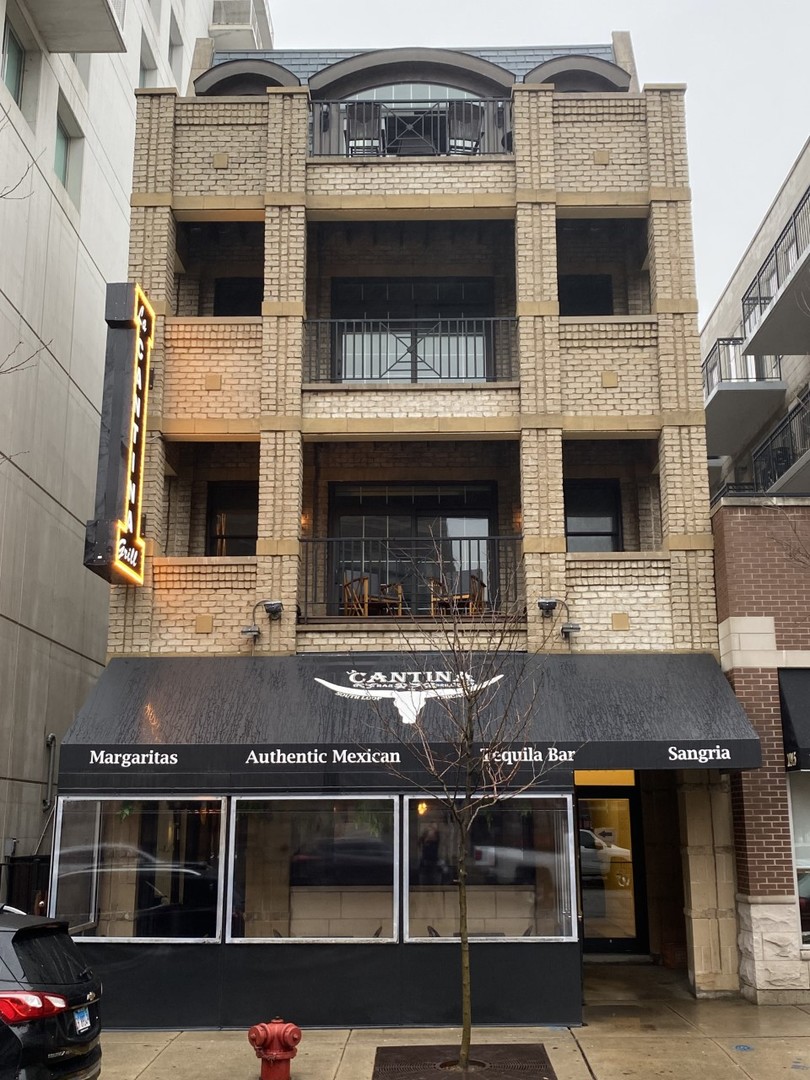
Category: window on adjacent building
<point>147,72</point>
<point>592,515</point>
<point>800,812</point>
<point>233,517</point>
<point>176,50</point>
<point>62,153</point>
<point>68,145</point>
<point>13,62</point>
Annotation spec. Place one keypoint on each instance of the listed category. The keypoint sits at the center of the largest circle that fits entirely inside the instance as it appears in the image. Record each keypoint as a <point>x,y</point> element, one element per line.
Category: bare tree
<point>467,749</point>
<point>793,539</point>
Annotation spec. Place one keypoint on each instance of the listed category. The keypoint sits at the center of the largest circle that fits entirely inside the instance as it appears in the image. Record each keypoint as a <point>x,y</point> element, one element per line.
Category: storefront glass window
<point>139,868</point>
<point>800,805</point>
<point>519,870</point>
<point>313,869</point>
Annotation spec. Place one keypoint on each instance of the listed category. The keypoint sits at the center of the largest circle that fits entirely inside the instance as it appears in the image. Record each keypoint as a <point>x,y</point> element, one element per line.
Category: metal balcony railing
<point>410,350</point>
<point>234,13</point>
<point>776,268</point>
<point>726,363</point>
<point>786,444</point>
<point>365,128</point>
<point>411,577</point>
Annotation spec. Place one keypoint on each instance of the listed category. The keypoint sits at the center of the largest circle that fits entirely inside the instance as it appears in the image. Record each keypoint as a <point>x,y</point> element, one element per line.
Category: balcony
<point>409,578</point>
<point>459,127</point>
<point>241,24</point>
<point>776,305</point>
<point>782,461</point>
<point>410,350</point>
<point>91,26</point>
<point>741,394</point>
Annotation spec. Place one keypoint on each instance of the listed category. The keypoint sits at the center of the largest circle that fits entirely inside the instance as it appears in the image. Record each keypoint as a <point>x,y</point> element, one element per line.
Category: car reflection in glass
<point>344,860</point>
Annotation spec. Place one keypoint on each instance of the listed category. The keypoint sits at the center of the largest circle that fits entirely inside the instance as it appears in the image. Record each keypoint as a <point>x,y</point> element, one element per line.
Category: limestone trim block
<point>770,946</point>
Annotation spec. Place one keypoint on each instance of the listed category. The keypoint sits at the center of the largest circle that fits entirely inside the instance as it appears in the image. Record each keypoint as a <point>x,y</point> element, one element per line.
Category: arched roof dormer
<point>416,65</point>
<point>237,77</point>
<point>581,75</point>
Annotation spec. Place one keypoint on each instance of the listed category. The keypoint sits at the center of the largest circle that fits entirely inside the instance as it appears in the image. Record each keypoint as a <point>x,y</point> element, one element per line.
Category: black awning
<point>794,697</point>
<point>325,722</point>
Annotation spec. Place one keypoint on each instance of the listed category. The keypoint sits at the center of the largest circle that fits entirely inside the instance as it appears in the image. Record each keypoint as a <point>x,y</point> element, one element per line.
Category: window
<point>147,71</point>
<point>233,517</point>
<point>592,521</point>
<point>800,812</point>
<point>238,296</point>
<point>413,329</point>
<point>62,152</point>
<point>176,50</point>
<point>68,146</point>
<point>586,294</point>
<point>519,870</point>
<point>13,63</point>
<point>139,868</point>
<point>314,869</point>
<point>414,536</point>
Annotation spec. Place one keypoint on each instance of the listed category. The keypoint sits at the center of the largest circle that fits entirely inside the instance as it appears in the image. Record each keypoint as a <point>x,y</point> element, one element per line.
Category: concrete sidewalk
<point>640,1023</point>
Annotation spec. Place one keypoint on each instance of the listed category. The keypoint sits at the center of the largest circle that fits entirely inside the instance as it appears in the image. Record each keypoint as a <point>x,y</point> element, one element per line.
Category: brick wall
<point>213,368</point>
<point>220,147</point>
<point>592,352</point>
<point>760,798</point>
<point>763,567</point>
<point>613,124</point>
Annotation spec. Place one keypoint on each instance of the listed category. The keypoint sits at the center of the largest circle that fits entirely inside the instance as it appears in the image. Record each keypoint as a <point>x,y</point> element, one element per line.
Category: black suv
<point>49,1017</point>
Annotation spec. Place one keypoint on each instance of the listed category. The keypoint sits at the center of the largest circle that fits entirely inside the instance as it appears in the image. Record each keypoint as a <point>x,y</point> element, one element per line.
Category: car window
<point>44,957</point>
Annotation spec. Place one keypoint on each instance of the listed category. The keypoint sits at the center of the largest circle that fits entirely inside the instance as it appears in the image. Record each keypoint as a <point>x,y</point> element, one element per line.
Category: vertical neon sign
<point>129,544</point>
<point>114,546</point>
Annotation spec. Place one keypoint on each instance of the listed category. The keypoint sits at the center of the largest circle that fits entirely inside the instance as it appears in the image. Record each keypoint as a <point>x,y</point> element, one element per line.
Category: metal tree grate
<point>495,1061</point>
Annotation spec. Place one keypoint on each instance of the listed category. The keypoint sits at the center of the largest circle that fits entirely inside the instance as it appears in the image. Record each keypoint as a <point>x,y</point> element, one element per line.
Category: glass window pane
<point>13,62</point>
<point>800,807</point>
<point>314,868</point>
<point>152,872</point>
<point>518,870</point>
<point>62,151</point>
<point>606,868</point>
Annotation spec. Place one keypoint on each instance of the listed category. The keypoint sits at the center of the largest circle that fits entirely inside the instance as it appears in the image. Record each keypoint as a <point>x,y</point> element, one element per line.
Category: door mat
<point>488,1061</point>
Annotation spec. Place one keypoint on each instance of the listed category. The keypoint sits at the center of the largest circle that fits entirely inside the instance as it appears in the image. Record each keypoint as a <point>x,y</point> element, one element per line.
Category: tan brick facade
<point>591,186</point>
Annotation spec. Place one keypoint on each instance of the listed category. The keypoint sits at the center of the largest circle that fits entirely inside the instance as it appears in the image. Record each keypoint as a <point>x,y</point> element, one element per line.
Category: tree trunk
<point>466,987</point>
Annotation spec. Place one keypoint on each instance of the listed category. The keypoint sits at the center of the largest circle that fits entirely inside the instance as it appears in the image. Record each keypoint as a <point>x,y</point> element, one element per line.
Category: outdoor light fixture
<point>250,632</point>
<point>547,605</point>
<point>274,609</point>
<point>568,629</point>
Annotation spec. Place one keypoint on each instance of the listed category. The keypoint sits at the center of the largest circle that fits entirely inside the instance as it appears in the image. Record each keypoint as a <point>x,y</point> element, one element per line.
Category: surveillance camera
<point>547,606</point>
<point>274,608</point>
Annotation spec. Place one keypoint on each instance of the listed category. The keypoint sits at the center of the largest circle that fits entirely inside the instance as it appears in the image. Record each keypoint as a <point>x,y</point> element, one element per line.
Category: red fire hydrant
<point>276,1044</point>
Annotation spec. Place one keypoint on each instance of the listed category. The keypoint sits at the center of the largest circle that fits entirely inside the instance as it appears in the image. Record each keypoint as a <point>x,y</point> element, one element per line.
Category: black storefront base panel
<point>352,985</point>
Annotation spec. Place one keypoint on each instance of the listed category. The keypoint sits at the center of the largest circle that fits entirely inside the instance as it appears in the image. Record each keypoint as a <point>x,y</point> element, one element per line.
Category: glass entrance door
<point>611,871</point>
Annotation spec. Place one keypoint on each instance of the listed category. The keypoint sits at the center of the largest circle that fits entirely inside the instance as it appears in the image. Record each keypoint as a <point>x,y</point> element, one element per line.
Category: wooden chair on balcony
<point>466,597</point>
<point>365,596</point>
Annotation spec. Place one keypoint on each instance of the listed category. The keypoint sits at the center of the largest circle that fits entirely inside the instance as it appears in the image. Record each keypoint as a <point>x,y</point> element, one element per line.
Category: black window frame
<point>576,494</point>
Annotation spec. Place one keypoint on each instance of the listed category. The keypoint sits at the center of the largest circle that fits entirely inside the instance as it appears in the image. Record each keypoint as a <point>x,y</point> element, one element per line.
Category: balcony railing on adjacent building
<point>410,350</point>
<point>726,363</point>
<point>782,258</point>
<point>787,444</point>
<point>456,127</point>
<point>411,577</point>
